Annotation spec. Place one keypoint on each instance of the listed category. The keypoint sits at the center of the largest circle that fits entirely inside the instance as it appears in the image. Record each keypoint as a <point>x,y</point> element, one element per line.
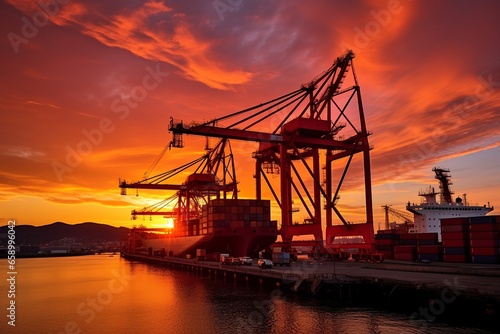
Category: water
<point>103,294</point>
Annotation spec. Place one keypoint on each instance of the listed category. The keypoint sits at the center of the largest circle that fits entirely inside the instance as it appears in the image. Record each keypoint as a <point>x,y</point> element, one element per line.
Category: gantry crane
<point>310,120</point>
<point>213,175</point>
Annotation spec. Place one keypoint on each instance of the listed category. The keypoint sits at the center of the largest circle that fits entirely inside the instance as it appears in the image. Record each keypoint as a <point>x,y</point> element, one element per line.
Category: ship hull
<point>243,243</point>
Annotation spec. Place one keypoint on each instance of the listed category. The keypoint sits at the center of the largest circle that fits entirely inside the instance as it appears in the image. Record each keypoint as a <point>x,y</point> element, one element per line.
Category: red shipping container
<point>405,256</point>
<point>409,236</point>
<point>484,219</point>
<point>454,236</point>
<point>484,251</point>
<point>485,227</point>
<point>455,258</point>
<point>427,236</point>
<point>385,248</point>
<point>455,243</point>
<point>455,228</point>
<point>385,242</point>
<point>387,254</point>
<point>485,235</point>
<point>429,249</point>
<point>405,249</point>
<point>484,243</point>
<point>454,221</point>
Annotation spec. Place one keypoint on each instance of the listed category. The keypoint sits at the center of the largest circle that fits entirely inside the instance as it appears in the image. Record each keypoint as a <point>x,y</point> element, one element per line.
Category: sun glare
<point>170,223</point>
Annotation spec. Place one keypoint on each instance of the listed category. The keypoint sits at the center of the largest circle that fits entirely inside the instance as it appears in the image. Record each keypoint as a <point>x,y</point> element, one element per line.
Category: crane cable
<point>155,163</point>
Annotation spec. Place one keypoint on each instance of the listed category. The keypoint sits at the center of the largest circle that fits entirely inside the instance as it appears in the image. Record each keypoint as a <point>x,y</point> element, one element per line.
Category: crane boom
<point>408,219</point>
<point>263,137</point>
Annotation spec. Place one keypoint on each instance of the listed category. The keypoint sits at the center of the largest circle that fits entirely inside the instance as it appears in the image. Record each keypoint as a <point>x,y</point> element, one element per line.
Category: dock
<point>390,280</point>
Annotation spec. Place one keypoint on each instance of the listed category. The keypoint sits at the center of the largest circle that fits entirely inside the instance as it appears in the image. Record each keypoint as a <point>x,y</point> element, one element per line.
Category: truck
<point>265,263</point>
<point>281,259</point>
<point>223,257</point>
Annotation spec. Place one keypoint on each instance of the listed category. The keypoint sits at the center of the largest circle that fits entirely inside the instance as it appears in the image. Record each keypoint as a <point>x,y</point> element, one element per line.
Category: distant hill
<point>29,234</point>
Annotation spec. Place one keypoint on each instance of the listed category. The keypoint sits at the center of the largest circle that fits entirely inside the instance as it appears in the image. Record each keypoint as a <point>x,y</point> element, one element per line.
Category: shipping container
<point>485,259</point>
<point>405,249</point>
<point>434,249</point>
<point>456,258</point>
<point>430,257</point>
<point>455,243</point>
<point>427,236</point>
<point>455,221</point>
<point>483,243</point>
<point>454,236</point>
<point>405,256</point>
<point>484,220</point>
<point>485,227</point>
<point>454,228</point>
<point>485,235</point>
<point>484,251</point>
<point>455,251</point>
<point>428,242</point>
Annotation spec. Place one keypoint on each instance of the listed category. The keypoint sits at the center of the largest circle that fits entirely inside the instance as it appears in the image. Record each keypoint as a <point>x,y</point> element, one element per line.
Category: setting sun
<point>170,223</point>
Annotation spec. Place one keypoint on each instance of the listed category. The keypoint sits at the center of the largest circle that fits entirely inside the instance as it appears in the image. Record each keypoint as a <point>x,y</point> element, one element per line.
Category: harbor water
<point>108,294</point>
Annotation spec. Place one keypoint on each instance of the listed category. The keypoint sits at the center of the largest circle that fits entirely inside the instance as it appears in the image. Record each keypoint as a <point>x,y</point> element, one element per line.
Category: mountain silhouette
<point>88,231</point>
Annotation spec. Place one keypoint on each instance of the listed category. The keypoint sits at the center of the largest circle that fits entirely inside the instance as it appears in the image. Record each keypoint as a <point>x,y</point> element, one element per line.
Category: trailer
<point>281,259</point>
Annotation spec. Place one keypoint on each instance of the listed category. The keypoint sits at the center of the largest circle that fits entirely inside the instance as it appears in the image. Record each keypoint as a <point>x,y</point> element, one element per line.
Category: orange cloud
<point>132,31</point>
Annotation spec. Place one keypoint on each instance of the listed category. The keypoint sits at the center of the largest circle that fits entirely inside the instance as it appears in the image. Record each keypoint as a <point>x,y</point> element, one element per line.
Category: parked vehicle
<point>232,260</point>
<point>265,263</point>
<point>281,259</point>
<point>246,260</point>
<point>223,258</point>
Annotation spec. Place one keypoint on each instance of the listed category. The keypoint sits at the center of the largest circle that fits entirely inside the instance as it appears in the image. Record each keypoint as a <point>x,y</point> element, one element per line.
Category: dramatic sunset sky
<point>429,73</point>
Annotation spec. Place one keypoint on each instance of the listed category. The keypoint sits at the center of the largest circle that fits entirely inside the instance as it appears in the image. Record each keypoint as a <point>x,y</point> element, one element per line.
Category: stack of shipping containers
<point>235,214</point>
<point>455,239</point>
<point>484,235</point>
<point>474,239</point>
<point>385,240</point>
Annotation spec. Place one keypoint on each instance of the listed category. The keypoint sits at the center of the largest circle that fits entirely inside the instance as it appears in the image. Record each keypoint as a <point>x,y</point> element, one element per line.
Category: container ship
<point>239,227</point>
<point>428,214</point>
<point>442,229</point>
<point>208,217</point>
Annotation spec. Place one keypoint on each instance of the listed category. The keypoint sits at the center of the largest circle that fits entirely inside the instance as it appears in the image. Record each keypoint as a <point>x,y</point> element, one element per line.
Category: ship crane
<point>408,219</point>
<point>309,121</point>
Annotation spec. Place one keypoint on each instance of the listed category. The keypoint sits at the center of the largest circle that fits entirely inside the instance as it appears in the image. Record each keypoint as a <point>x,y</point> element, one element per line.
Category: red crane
<point>320,120</point>
<point>213,175</point>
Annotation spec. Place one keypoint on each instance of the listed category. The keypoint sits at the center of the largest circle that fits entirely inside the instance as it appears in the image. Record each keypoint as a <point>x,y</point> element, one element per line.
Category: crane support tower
<point>321,121</point>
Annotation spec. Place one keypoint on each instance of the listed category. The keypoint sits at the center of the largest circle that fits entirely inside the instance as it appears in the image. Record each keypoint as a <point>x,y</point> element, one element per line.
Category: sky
<point>88,88</point>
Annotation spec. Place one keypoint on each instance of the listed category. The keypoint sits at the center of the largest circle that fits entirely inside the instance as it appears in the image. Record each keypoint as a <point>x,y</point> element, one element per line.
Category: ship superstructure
<point>437,205</point>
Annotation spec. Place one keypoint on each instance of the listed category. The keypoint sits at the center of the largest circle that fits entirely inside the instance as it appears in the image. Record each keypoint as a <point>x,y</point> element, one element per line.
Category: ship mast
<point>444,184</point>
